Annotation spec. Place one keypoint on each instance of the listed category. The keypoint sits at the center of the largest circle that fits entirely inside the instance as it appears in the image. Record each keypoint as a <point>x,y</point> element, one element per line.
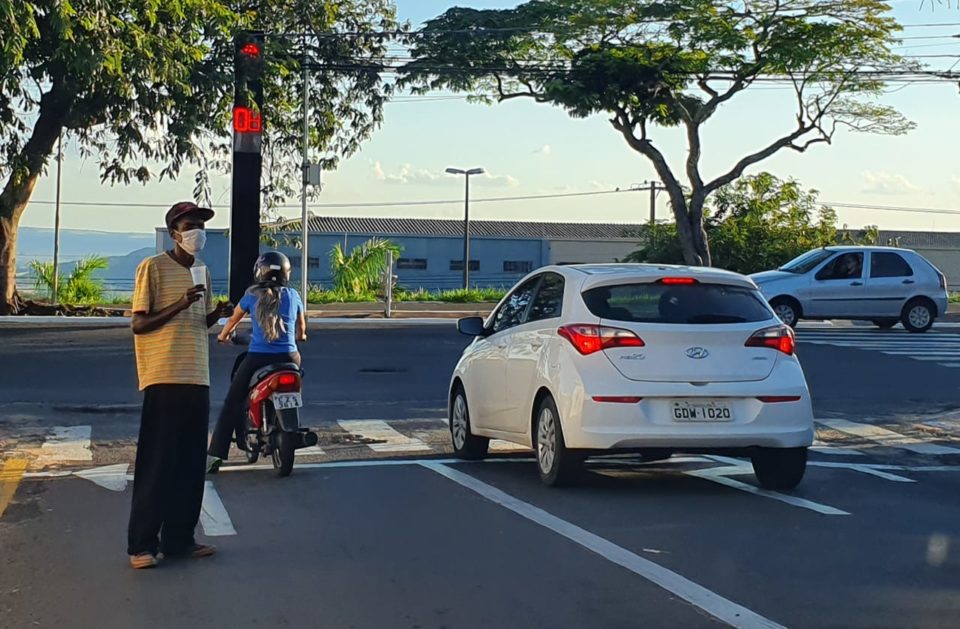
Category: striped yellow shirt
<point>178,352</point>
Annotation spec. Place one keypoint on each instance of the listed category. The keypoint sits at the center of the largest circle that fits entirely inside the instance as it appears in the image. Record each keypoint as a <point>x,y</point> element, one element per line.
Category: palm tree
<point>79,288</point>
<point>361,269</point>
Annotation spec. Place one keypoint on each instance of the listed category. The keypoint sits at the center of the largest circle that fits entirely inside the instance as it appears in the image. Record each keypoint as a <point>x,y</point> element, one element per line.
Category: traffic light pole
<point>247,163</point>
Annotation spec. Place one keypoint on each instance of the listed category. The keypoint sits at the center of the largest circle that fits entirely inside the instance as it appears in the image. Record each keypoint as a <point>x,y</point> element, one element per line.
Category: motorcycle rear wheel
<point>284,448</point>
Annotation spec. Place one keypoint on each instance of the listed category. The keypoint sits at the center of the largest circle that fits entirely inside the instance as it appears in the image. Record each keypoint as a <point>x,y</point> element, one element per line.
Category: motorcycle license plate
<point>702,412</point>
<point>284,401</point>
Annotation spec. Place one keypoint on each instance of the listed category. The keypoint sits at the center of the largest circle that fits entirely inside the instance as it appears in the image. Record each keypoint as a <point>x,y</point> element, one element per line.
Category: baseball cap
<point>179,210</point>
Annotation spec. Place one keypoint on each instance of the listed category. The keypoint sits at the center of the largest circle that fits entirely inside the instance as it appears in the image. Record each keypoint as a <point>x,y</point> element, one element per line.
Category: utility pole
<point>655,187</point>
<point>56,223</point>
<point>305,223</point>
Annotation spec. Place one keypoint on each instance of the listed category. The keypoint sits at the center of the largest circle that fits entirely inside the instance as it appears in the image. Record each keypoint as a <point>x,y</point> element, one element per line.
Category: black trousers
<point>233,415</point>
<point>170,469</point>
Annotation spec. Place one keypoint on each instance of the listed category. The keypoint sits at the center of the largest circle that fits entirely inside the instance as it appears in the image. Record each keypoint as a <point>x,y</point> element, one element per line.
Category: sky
<point>531,149</point>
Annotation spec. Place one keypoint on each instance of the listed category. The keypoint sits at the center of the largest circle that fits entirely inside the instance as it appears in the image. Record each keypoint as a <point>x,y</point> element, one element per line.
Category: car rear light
<point>589,339</point>
<point>778,399</point>
<point>617,399</point>
<point>780,338</point>
<point>943,280</point>
<point>677,281</point>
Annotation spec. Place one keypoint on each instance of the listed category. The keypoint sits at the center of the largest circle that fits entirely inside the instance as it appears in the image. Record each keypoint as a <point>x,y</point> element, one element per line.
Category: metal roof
<point>454,228</point>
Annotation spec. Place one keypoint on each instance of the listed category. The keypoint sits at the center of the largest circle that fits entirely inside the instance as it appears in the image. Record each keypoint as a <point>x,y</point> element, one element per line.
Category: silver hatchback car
<point>884,285</point>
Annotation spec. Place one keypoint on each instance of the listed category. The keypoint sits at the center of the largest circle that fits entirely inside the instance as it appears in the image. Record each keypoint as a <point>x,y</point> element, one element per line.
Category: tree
<point>142,82</point>
<point>363,268</point>
<point>650,63</point>
<point>755,224</point>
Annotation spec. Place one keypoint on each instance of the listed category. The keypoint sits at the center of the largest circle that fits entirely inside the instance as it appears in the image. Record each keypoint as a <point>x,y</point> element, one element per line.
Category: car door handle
<point>856,283</point>
<point>909,282</point>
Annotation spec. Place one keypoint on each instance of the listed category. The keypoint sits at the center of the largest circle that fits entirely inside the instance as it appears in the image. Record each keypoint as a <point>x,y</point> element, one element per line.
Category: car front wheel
<point>780,468</point>
<point>466,445</point>
<point>557,465</point>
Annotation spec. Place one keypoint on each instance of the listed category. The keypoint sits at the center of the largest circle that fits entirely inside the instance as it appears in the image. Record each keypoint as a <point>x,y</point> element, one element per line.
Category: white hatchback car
<point>599,359</point>
<point>879,284</point>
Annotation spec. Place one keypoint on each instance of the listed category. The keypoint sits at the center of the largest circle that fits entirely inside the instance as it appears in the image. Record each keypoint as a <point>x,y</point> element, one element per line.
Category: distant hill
<point>35,243</point>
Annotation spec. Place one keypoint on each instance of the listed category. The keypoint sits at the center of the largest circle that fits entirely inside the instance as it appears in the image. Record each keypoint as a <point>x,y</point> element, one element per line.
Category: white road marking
<point>66,444</point>
<point>824,447</point>
<point>498,445</point>
<point>311,451</point>
<point>112,477</point>
<point>720,475</point>
<point>712,603</point>
<point>213,516</point>
<point>865,469</point>
<point>886,437</point>
<point>390,439</point>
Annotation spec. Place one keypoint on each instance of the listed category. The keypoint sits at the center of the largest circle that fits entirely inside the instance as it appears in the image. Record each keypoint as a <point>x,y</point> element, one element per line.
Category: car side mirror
<point>471,326</point>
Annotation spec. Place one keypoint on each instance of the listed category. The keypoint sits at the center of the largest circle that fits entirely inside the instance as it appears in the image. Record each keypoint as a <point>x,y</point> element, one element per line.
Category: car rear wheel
<point>557,465</point>
<point>787,309</point>
<point>918,315</point>
<point>466,445</point>
<point>885,324</point>
<point>780,468</point>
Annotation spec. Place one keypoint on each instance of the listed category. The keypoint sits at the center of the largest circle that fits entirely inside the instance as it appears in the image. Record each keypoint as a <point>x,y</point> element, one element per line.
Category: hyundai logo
<point>697,353</point>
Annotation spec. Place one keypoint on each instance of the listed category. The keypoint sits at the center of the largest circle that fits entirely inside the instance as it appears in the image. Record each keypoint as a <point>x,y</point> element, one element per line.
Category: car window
<point>888,264</point>
<point>514,310</point>
<point>549,299</point>
<point>683,304</point>
<point>806,262</point>
<point>846,266</point>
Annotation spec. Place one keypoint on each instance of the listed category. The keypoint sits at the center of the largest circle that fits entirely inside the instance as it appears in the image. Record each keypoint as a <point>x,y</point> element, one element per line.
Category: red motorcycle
<point>273,418</point>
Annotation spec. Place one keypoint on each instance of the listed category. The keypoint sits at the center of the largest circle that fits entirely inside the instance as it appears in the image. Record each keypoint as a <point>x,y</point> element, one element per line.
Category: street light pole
<point>56,223</point>
<point>466,219</point>
<point>305,215</point>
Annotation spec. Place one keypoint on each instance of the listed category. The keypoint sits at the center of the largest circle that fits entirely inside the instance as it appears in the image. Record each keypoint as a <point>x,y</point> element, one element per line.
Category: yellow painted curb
<point>9,481</point>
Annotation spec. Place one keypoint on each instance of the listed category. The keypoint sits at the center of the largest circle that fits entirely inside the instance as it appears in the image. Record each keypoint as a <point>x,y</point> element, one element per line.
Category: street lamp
<point>466,219</point>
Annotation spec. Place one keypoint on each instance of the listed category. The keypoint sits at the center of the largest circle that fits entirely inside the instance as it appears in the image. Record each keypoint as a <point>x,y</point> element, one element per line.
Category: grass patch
<point>459,296</point>
<point>955,298</point>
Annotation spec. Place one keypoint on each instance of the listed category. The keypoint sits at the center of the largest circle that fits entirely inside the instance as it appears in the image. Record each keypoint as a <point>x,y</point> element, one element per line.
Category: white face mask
<point>193,241</point>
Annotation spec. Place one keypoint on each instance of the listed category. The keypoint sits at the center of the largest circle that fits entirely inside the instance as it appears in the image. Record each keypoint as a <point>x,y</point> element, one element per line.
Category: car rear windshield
<point>679,304</point>
<point>806,262</point>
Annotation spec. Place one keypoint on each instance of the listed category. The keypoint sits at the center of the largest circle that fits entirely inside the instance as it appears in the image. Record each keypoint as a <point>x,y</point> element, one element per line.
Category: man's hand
<point>224,308</point>
<point>191,297</point>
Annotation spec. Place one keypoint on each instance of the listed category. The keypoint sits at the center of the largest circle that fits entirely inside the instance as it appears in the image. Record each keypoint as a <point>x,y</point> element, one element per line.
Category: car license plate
<point>284,401</point>
<point>702,412</point>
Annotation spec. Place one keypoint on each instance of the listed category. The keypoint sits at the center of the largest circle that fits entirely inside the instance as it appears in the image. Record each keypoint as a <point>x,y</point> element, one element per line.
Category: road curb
<point>93,322</point>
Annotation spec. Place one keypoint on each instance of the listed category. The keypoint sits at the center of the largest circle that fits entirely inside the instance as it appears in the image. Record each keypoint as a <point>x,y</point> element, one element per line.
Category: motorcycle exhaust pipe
<point>309,439</point>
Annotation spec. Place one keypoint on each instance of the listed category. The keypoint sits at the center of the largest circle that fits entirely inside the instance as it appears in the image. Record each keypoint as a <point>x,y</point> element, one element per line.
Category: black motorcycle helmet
<point>272,268</point>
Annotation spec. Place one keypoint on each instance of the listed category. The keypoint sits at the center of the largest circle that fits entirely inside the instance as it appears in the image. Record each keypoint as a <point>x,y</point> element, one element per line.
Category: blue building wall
<point>521,256</point>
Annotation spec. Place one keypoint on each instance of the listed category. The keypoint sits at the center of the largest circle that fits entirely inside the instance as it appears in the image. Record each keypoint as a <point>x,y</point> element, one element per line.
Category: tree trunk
<point>25,171</point>
<point>9,300</point>
<point>701,243</point>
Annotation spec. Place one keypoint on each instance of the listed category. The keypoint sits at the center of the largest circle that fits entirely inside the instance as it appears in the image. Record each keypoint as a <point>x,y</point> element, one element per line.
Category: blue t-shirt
<point>290,308</point>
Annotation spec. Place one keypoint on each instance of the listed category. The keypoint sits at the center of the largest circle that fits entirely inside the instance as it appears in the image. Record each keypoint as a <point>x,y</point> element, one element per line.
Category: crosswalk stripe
<point>886,437</point>
<point>66,444</point>
<point>826,448</point>
<point>389,439</point>
<point>311,451</point>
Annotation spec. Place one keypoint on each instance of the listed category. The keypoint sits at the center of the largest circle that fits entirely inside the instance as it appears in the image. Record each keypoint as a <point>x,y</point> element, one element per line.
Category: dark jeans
<point>170,469</point>
<point>233,415</point>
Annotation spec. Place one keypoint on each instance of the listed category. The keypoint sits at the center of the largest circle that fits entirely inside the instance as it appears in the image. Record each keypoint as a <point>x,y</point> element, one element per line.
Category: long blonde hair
<point>268,311</point>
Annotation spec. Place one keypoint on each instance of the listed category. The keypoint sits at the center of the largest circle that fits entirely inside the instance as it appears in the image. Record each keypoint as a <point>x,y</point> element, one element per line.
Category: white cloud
<point>955,180</point>
<point>546,150</point>
<point>408,175</point>
<point>887,183</point>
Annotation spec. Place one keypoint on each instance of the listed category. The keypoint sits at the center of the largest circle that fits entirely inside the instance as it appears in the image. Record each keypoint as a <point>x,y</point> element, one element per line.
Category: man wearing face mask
<point>172,312</point>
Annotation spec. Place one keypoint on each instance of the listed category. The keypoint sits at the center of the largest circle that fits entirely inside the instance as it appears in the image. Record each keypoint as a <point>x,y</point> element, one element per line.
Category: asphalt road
<point>357,539</point>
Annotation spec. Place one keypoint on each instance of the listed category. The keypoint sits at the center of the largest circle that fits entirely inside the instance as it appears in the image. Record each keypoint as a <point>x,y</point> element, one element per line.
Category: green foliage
<point>460,296</point>
<point>80,288</point>
<point>756,224</point>
<point>363,268</point>
<point>649,63</point>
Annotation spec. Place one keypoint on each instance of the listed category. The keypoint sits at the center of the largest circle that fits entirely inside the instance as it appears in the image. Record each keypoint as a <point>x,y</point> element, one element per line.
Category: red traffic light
<point>251,50</point>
